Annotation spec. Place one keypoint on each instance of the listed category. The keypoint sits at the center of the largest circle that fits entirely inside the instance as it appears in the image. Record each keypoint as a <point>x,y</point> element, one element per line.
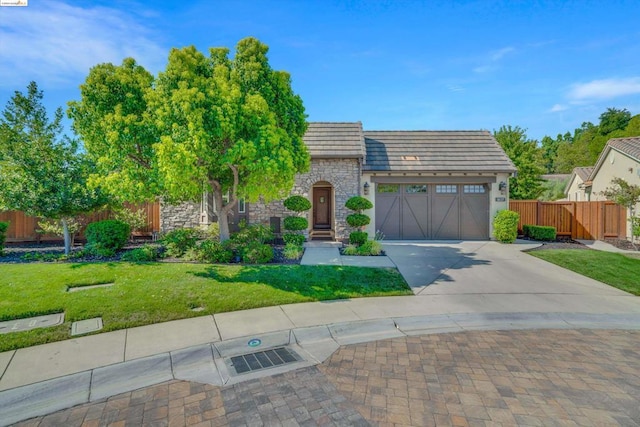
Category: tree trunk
<point>67,236</point>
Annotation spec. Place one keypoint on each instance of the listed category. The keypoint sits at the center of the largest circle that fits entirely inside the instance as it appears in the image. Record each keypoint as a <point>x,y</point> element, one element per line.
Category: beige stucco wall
<point>616,165</point>
<point>575,193</point>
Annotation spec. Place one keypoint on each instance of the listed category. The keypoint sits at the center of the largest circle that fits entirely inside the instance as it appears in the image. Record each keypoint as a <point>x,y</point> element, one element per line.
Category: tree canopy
<point>523,152</point>
<point>42,172</point>
<point>206,123</point>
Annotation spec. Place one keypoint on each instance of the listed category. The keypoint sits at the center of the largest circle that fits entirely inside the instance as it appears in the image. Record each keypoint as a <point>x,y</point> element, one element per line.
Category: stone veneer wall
<point>342,174</point>
<point>179,216</point>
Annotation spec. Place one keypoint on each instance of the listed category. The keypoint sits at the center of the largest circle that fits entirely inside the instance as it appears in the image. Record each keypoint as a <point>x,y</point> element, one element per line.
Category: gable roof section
<point>437,151</point>
<point>629,147</point>
<point>335,140</point>
<point>581,173</point>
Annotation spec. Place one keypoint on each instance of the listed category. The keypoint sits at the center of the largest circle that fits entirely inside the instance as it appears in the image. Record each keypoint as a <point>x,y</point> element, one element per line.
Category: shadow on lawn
<point>318,282</point>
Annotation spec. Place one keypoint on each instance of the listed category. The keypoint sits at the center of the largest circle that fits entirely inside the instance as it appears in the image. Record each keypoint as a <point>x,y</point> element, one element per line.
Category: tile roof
<point>583,172</point>
<point>629,146</point>
<point>448,151</point>
<point>335,140</point>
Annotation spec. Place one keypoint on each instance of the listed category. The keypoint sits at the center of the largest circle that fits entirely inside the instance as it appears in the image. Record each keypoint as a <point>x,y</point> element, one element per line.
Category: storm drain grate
<point>263,359</point>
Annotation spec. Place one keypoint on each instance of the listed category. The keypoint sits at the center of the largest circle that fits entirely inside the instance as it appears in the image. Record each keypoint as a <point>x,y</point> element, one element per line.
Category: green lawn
<point>617,270</point>
<point>150,293</point>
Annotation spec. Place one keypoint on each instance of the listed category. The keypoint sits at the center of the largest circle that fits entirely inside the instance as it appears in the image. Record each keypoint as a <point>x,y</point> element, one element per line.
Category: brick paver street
<point>475,378</point>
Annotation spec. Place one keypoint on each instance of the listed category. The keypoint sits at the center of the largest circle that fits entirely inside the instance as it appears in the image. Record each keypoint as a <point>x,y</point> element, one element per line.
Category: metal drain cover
<point>263,359</point>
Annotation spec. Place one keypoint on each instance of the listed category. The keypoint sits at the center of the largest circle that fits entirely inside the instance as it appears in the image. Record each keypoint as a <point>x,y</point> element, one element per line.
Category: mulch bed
<point>15,252</point>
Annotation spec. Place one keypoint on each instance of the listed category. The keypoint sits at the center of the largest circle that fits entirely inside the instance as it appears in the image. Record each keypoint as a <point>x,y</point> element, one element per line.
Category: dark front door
<point>322,208</point>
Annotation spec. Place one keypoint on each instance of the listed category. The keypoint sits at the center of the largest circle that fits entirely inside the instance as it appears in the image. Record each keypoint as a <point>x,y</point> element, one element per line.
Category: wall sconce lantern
<point>502,187</point>
<point>366,188</point>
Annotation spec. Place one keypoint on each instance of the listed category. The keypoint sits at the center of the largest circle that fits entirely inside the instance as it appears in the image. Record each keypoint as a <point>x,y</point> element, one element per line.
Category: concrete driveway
<point>489,276</point>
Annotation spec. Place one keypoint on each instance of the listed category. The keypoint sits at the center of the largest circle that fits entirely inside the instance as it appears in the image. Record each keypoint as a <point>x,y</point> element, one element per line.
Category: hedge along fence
<point>578,220</point>
<point>539,232</point>
<point>23,228</point>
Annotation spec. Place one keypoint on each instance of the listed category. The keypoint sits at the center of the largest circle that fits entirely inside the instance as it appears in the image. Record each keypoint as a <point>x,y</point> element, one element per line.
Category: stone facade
<point>184,215</point>
<point>344,177</point>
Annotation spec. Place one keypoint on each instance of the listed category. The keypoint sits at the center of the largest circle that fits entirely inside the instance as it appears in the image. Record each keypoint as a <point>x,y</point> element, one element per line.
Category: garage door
<point>433,211</point>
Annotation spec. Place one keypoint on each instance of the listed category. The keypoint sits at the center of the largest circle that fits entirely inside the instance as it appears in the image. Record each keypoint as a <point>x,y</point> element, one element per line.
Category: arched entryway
<point>323,216</point>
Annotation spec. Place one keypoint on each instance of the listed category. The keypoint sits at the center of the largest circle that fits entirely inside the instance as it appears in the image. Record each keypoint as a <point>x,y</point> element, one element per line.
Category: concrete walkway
<point>458,285</point>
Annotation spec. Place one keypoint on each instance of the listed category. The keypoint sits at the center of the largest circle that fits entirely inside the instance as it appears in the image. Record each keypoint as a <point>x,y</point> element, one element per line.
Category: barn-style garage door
<point>433,211</point>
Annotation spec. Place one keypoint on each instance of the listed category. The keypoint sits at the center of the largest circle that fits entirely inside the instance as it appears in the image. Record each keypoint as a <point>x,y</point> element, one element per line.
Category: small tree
<point>42,172</point>
<point>358,220</point>
<point>296,223</point>
<point>627,195</point>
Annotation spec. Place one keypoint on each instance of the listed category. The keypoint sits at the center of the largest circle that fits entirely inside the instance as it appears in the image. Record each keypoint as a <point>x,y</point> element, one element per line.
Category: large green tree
<point>523,152</point>
<point>207,123</point>
<point>42,171</point>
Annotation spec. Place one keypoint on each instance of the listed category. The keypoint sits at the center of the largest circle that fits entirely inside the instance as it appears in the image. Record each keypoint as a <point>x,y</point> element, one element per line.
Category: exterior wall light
<point>502,186</point>
<point>366,188</point>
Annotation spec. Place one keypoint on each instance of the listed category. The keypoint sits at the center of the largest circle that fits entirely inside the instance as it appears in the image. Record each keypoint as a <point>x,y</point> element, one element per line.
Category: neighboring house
<point>423,184</point>
<point>578,183</point>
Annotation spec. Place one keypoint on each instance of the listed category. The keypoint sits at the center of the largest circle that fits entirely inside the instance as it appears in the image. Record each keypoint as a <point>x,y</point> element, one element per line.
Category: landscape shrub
<point>210,251</point>
<point>4,226</point>
<point>146,253</point>
<point>257,253</point>
<point>358,237</point>
<point>505,226</point>
<point>296,239</point>
<point>253,233</point>
<point>106,237</point>
<point>179,241</point>
<point>297,204</point>
<point>350,250</point>
<point>358,203</point>
<point>525,229</point>
<point>295,223</point>
<point>540,232</point>
<point>293,251</point>
<point>137,219</point>
<point>358,220</point>
<point>370,248</point>
<point>212,232</point>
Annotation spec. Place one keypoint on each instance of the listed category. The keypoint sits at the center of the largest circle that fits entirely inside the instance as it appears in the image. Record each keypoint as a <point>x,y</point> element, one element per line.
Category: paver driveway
<point>475,378</point>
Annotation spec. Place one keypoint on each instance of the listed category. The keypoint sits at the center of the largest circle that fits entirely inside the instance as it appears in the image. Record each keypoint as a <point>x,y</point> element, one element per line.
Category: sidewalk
<point>42,379</point>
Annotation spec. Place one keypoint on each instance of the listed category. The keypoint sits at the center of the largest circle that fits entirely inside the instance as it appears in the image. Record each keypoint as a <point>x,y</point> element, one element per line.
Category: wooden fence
<point>578,220</point>
<point>24,228</point>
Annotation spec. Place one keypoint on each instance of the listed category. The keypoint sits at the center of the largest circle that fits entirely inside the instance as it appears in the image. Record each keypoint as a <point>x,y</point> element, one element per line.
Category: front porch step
<point>322,244</point>
<point>321,235</point>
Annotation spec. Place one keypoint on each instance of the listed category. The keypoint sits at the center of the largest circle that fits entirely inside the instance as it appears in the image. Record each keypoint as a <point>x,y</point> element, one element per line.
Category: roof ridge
<point>432,130</point>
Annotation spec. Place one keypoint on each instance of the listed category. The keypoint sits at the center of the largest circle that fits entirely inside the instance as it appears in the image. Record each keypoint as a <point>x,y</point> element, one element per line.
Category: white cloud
<point>605,89</point>
<point>557,108</point>
<point>499,54</point>
<point>56,43</point>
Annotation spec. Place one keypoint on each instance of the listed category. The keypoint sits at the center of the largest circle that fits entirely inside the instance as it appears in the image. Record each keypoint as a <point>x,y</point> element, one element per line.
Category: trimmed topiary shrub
<point>295,223</point>
<point>297,204</point>
<point>505,226</point>
<point>358,203</point>
<point>539,232</point>
<point>4,226</point>
<point>296,239</point>
<point>358,220</point>
<point>106,237</point>
<point>358,237</point>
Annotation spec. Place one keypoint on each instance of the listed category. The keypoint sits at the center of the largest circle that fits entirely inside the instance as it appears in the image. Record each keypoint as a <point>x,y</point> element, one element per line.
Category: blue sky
<point>542,65</point>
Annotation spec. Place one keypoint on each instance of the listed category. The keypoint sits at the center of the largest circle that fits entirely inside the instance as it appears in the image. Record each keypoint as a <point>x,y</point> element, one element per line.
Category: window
<point>241,206</point>
<point>387,188</point>
<point>446,189</point>
<point>415,188</point>
<point>479,189</point>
